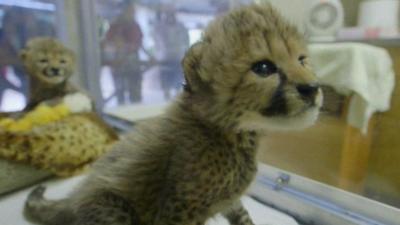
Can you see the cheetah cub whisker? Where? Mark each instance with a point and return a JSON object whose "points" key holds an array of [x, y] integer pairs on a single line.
{"points": [[249, 73]]}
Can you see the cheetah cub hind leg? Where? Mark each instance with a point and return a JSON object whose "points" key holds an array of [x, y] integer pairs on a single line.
{"points": [[106, 209], [103, 209]]}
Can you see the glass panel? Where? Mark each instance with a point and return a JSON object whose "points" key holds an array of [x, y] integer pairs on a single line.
{"points": [[337, 154], [20, 21], [142, 44], [333, 151]]}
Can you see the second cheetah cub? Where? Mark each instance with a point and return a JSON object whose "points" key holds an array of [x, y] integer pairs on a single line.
{"points": [[249, 73]]}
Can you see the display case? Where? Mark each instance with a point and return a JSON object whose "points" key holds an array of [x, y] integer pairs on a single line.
{"points": [[129, 55]]}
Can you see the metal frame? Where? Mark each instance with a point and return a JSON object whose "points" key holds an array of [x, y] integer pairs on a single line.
{"points": [[90, 49], [312, 202], [61, 16], [74, 30]]}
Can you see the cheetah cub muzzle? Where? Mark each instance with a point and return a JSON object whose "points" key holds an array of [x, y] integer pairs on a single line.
{"points": [[248, 74]]}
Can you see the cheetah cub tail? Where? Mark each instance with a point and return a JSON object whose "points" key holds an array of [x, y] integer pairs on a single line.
{"points": [[41, 210]]}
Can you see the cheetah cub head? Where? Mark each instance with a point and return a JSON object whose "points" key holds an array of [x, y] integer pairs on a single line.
{"points": [[250, 71], [48, 61]]}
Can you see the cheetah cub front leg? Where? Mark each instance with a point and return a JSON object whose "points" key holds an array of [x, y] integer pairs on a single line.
{"points": [[238, 215]]}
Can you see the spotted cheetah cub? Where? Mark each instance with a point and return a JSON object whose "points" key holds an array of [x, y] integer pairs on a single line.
{"points": [[49, 65], [248, 74]]}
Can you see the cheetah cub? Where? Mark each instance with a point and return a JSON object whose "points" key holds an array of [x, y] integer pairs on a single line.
{"points": [[248, 74], [49, 65]]}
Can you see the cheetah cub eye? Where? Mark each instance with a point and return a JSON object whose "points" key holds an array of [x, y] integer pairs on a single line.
{"points": [[43, 61], [264, 68]]}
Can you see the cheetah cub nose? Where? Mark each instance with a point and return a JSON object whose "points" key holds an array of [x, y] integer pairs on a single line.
{"points": [[308, 91], [55, 71]]}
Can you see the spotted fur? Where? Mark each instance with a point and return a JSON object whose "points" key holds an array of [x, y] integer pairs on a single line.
{"points": [[199, 158], [64, 148]]}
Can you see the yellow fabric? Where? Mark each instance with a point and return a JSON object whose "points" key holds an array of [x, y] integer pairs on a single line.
{"points": [[41, 115]]}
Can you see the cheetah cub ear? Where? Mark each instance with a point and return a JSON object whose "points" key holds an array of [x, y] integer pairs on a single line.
{"points": [[191, 63]]}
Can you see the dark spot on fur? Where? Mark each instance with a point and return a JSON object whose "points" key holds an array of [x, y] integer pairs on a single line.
{"points": [[46, 148], [51, 138], [282, 76], [252, 142], [212, 173], [232, 125], [184, 205], [239, 137], [190, 215], [27, 145], [122, 219], [278, 105], [176, 218]]}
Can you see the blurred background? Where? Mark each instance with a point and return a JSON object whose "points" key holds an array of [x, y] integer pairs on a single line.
{"points": [[129, 53]]}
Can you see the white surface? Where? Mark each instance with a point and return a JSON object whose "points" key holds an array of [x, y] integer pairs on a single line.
{"points": [[137, 112], [359, 70], [297, 12], [11, 206], [379, 13]]}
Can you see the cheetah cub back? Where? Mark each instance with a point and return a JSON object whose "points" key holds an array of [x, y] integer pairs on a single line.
{"points": [[248, 74]]}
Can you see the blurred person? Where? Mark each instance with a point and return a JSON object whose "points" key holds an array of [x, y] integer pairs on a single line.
{"points": [[172, 40], [121, 52], [221, 6]]}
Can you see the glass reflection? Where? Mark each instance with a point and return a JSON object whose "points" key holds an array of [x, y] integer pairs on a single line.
{"points": [[19, 23], [143, 43]]}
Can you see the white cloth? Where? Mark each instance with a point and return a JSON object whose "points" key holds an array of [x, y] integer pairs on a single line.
{"points": [[78, 102], [363, 71]]}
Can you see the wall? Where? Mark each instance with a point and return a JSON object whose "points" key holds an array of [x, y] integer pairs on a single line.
{"points": [[295, 10]]}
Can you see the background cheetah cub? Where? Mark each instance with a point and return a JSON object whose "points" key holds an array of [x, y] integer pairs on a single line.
{"points": [[249, 73], [49, 65]]}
